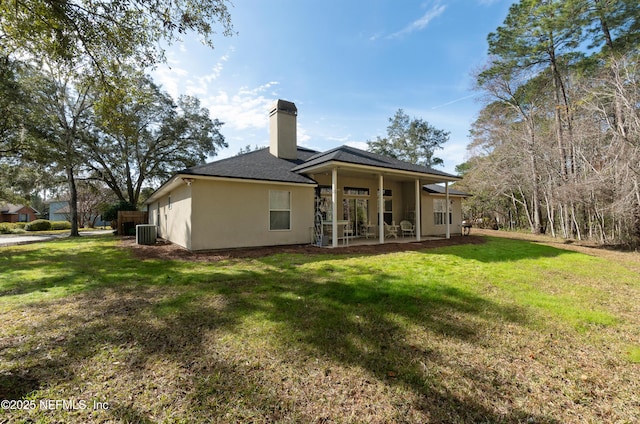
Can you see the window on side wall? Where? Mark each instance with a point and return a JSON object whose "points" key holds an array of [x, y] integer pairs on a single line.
{"points": [[440, 211], [279, 210]]}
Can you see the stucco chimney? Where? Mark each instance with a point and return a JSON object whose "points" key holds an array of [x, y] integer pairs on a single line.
{"points": [[283, 141]]}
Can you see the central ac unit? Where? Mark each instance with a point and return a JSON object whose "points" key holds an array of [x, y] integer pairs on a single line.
{"points": [[146, 234]]}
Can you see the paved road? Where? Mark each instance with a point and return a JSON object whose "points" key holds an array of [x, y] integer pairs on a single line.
{"points": [[14, 239]]}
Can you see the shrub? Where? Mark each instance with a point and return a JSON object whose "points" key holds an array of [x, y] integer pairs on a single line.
{"points": [[60, 225], [12, 227], [38, 225], [6, 228]]}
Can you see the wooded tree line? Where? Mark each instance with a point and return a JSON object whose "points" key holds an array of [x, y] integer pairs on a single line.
{"points": [[556, 147], [76, 103]]}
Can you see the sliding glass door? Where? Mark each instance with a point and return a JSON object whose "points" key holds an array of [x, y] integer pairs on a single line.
{"points": [[358, 214]]}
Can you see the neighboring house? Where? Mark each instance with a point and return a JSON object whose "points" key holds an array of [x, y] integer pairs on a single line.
{"points": [[286, 194], [59, 210], [17, 213]]}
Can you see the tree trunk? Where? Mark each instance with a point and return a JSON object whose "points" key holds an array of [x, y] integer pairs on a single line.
{"points": [[73, 201]]}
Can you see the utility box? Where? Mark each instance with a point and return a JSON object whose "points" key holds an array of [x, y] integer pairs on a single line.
{"points": [[146, 234]]}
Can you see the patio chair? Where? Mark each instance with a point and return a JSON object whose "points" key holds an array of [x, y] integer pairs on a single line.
{"points": [[407, 228], [390, 230], [369, 230]]}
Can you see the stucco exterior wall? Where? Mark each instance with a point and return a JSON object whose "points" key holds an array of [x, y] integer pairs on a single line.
{"points": [[428, 223], [219, 214], [172, 215], [227, 214]]}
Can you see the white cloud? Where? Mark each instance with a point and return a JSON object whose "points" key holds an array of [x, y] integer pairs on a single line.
{"points": [[199, 86], [454, 101], [422, 22], [170, 79], [303, 137], [245, 109], [362, 145], [343, 139]]}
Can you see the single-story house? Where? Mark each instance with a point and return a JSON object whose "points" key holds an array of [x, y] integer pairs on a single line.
{"points": [[286, 194], [17, 213], [60, 210]]}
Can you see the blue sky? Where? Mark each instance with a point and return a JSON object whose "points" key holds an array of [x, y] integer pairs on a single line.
{"points": [[348, 66]]}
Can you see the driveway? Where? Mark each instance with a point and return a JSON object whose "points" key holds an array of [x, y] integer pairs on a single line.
{"points": [[15, 239]]}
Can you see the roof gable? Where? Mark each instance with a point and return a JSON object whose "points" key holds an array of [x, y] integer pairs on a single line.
{"points": [[348, 154], [11, 209]]}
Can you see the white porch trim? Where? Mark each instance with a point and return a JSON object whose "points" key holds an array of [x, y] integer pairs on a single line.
{"points": [[446, 191], [418, 216], [381, 208], [334, 207]]}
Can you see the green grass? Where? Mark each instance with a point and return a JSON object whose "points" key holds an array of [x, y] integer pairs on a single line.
{"points": [[634, 354], [505, 331]]}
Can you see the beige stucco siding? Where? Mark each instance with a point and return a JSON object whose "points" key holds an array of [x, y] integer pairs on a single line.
{"points": [[172, 215], [229, 214], [428, 225]]}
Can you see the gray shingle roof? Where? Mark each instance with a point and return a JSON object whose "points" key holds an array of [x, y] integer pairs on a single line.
{"points": [[256, 165], [11, 209], [262, 165], [352, 155], [438, 189]]}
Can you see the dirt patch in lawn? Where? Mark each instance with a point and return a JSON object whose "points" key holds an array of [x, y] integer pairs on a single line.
{"points": [[169, 251]]}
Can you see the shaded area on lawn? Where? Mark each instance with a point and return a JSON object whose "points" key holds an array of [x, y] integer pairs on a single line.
{"points": [[301, 309], [265, 339]]}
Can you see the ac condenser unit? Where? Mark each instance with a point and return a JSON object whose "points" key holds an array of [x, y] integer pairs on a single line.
{"points": [[146, 234]]}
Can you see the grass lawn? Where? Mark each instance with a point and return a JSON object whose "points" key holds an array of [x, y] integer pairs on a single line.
{"points": [[505, 331]]}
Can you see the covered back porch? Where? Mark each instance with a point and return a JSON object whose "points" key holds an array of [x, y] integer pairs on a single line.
{"points": [[365, 204]]}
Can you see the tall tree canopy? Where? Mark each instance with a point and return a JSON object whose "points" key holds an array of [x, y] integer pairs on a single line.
{"points": [[557, 144], [107, 33], [142, 135], [412, 140], [87, 50], [25, 127]]}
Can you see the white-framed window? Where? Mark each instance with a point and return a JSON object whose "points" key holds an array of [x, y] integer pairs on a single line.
{"points": [[440, 211], [388, 211], [169, 203], [279, 210]]}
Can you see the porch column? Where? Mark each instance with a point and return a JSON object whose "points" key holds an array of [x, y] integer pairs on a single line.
{"points": [[418, 213], [446, 191], [334, 207], [381, 208]]}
